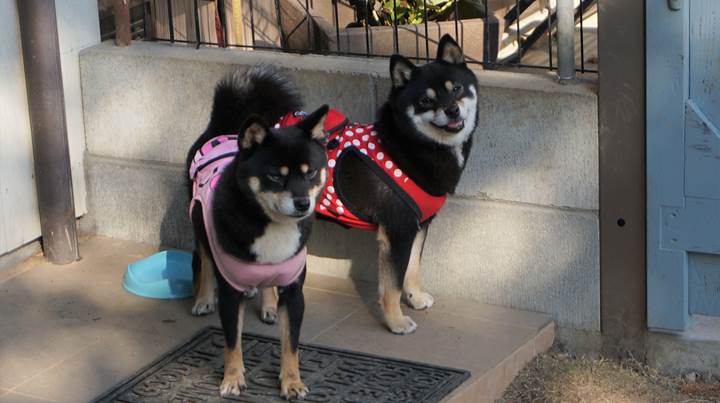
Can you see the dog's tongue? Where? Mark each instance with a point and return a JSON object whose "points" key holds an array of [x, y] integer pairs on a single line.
{"points": [[454, 124]]}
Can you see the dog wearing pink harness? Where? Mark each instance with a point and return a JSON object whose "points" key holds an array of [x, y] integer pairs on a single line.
{"points": [[205, 170], [253, 190]]}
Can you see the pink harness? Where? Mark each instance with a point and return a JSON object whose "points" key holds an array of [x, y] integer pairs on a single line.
{"points": [[207, 165]]}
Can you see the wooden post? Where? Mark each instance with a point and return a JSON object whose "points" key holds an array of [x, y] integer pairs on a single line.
{"points": [[121, 10], [621, 102], [43, 77]]}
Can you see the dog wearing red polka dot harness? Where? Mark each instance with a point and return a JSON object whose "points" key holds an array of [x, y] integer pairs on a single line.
{"points": [[393, 176]]}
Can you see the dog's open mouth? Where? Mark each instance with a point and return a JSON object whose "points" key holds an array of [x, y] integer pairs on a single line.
{"points": [[452, 126]]}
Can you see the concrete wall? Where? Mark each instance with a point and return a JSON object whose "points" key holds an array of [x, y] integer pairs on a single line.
{"points": [[77, 28], [522, 230]]}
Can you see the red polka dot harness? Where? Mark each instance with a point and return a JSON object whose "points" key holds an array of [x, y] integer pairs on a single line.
{"points": [[361, 138]]}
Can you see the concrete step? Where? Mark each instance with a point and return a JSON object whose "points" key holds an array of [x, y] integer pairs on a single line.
{"points": [[71, 332]]}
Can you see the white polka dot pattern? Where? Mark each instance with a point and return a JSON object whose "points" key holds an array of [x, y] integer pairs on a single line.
{"points": [[364, 140]]}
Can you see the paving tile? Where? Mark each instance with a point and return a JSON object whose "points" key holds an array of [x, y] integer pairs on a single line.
{"points": [[33, 344], [450, 305], [544, 339], [70, 332], [25, 265], [322, 310], [474, 309], [356, 288], [114, 357], [450, 340], [12, 397]]}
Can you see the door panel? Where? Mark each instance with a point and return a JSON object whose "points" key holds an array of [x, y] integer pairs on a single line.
{"points": [[702, 153], [704, 56], [683, 161], [704, 284]]}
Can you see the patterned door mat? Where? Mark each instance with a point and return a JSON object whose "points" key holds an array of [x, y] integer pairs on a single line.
{"points": [[193, 371]]}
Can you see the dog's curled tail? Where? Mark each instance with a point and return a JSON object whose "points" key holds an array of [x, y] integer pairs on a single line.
{"points": [[261, 90]]}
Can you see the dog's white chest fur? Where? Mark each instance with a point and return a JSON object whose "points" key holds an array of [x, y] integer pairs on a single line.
{"points": [[278, 243]]}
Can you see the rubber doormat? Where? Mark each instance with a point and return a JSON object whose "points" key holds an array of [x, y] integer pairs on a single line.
{"points": [[193, 371]]}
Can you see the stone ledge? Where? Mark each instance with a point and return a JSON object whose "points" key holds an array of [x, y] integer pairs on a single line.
{"points": [[536, 141], [529, 257]]}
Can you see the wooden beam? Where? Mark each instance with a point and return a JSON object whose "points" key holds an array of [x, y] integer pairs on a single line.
{"points": [[621, 103], [121, 10]]}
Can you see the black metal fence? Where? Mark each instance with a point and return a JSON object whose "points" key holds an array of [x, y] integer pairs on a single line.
{"points": [[508, 40]]}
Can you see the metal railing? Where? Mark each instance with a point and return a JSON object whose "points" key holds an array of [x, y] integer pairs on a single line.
{"points": [[511, 37]]}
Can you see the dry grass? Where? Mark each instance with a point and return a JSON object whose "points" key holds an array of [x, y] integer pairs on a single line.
{"points": [[558, 377]]}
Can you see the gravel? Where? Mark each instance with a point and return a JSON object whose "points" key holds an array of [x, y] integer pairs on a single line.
{"points": [[559, 377]]}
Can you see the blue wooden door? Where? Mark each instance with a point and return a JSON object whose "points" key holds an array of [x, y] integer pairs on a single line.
{"points": [[683, 161]]}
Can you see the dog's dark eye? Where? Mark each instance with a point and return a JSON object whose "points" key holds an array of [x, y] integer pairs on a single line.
{"points": [[457, 89], [274, 178], [425, 101], [311, 174]]}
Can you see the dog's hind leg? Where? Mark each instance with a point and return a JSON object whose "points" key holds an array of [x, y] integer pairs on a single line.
{"points": [[291, 306], [232, 307], [203, 281], [415, 297], [268, 313], [392, 264]]}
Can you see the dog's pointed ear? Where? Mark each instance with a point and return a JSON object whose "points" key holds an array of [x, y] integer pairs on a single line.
{"points": [[313, 124], [252, 132], [401, 70], [449, 51]]}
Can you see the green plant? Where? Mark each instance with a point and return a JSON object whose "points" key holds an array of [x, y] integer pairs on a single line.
{"points": [[389, 12], [413, 11]]}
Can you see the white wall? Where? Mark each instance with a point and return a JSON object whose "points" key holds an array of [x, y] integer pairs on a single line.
{"points": [[19, 222], [78, 28]]}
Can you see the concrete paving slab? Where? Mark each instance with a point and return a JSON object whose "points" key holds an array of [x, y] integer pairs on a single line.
{"points": [[70, 332], [113, 357], [450, 340], [12, 397]]}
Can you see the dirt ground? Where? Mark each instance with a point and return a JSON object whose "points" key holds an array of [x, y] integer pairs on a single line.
{"points": [[558, 377]]}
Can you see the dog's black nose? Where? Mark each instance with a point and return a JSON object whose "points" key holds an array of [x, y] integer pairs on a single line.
{"points": [[302, 204], [453, 112]]}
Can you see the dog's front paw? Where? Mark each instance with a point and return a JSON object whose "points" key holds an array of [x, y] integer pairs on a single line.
{"points": [[232, 385], [419, 300], [269, 315], [204, 305], [405, 325], [293, 389]]}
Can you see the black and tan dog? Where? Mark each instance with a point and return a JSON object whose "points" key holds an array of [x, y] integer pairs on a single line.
{"points": [[425, 129], [394, 175], [254, 192]]}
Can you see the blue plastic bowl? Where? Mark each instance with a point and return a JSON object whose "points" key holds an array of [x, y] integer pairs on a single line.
{"points": [[164, 275]]}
